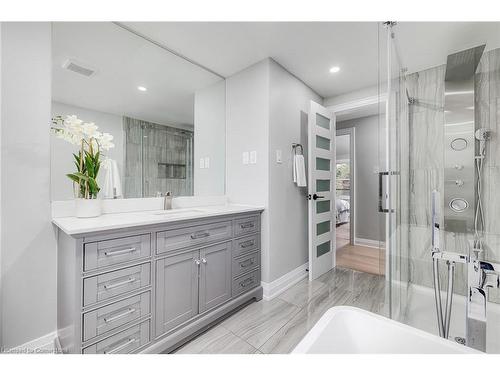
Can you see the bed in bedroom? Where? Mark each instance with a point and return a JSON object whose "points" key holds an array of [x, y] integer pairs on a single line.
{"points": [[343, 207]]}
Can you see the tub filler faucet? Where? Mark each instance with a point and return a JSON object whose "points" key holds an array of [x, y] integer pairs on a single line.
{"points": [[482, 276]]}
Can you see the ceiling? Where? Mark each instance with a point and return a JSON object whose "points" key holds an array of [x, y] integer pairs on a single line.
{"points": [[309, 49], [124, 61]]}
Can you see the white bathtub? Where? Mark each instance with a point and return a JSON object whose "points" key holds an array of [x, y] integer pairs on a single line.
{"points": [[344, 330]]}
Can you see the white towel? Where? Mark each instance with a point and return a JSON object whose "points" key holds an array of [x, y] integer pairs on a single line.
{"points": [[299, 171], [112, 187]]}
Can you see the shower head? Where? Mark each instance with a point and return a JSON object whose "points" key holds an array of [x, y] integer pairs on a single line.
{"points": [[482, 135]]}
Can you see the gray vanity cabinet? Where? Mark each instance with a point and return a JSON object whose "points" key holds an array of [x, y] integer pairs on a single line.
{"points": [[150, 288], [190, 283], [215, 275], [176, 290]]}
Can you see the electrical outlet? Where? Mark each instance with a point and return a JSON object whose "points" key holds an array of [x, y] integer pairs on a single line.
{"points": [[207, 162], [245, 157], [253, 157], [202, 163]]}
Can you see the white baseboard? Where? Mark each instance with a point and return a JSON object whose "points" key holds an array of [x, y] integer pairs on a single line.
{"points": [[44, 344], [274, 288], [368, 243]]}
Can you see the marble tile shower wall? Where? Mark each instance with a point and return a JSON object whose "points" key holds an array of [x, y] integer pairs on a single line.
{"points": [[426, 133]]}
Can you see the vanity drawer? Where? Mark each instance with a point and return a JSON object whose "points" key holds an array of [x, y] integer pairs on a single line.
{"points": [[246, 225], [245, 263], [246, 244], [123, 342], [109, 317], [101, 287], [110, 252], [246, 282], [191, 236]]}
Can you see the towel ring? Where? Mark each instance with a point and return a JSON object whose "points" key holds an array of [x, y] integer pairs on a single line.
{"points": [[295, 146]]}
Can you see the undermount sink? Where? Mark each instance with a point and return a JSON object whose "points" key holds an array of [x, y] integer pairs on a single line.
{"points": [[349, 330], [178, 211]]}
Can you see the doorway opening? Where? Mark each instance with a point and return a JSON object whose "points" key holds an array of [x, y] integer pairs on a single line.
{"points": [[360, 227]]}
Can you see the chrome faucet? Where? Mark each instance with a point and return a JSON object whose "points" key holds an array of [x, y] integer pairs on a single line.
{"points": [[482, 276], [167, 201]]}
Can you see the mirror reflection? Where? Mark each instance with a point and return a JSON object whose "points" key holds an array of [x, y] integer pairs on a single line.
{"points": [[161, 110]]}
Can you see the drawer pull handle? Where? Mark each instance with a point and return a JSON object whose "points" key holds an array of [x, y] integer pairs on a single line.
{"points": [[120, 347], [247, 225], [246, 263], [246, 282], [119, 252], [247, 244], [121, 283], [196, 236], [119, 316]]}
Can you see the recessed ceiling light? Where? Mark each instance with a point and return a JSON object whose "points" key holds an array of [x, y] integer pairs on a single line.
{"points": [[142, 88], [334, 69]]}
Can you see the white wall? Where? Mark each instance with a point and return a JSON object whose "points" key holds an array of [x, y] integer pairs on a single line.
{"points": [[28, 245], [210, 139], [369, 159], [61, 160], [266, 110], [247, 129], [288, 207], [352, 96]]}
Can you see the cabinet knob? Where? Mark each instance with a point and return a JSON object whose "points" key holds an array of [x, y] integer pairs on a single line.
{"points": [[197, 262], [203, 260]]}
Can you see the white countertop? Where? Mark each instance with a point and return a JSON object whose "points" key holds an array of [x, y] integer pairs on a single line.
{"points": [[75, 226]]}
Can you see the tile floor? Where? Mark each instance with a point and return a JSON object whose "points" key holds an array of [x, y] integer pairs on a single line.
{"points": [[278, 325]]}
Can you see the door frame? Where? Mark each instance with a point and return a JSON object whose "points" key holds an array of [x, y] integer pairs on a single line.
{"points": [[351, 132], [352, 107]]}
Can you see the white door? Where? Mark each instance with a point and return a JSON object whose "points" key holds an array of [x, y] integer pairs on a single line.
{"points": [[321, 186]]}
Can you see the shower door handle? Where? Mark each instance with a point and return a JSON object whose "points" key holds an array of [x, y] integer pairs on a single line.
{"points": [[381, 194]]}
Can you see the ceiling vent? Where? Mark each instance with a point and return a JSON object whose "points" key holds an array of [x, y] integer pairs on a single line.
{"points": [[78, 68]]}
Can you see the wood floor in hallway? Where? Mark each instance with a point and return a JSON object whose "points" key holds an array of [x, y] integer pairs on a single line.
{"points": [[356, 257], [362, 258]]}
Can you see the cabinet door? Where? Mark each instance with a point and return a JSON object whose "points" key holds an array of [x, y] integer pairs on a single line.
{"points": [[215, 275], [176, 290]]}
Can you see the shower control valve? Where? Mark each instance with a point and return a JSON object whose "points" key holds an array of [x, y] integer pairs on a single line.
{"points": [[459, 167], [459, 183]]}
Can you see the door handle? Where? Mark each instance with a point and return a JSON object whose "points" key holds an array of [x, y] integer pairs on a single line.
{"points": [[380, 192], [316, 196]]}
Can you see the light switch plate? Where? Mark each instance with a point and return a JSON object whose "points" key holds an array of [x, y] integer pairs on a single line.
{"points": [[202, 163], [253, 157], [279, 157], [207, 162], [245, 157]]}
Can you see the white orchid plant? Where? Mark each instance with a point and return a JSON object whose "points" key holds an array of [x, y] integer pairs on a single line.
{"points": [[90, 141]]}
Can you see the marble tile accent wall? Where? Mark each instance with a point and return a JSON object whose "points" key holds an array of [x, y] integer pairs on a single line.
{"points": [[426, 119]]}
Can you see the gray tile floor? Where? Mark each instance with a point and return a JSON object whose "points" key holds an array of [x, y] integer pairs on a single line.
{"points": [[278, 325]]}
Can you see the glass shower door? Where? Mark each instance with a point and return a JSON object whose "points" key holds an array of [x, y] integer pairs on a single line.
{"points": [[393, 173]]}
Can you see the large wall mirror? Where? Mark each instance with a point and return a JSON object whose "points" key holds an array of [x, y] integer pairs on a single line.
{"points": [[166, 114]]}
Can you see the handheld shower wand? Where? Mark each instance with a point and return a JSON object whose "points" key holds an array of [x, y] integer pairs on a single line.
{"points": [[435, 264], [482, 135]]}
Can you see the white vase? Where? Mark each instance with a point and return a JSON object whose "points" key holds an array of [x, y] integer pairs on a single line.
{"points": [[87, 207]]}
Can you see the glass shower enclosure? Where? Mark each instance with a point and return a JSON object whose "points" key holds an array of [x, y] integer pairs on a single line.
{"points": [[426, 150]]}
